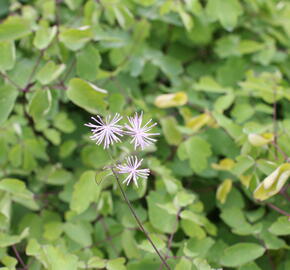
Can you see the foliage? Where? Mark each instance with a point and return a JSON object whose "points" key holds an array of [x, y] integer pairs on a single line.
{"points": [[214, 74]]}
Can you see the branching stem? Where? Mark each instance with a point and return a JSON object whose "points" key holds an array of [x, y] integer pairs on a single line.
{"points": [[137, 218]]}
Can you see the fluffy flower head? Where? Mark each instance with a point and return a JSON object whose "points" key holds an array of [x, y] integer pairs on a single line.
{"points": [[106, 130], [140, 134], [131, 168]]}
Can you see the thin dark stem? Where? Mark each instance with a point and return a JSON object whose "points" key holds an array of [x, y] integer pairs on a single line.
{"points": [[18, 257], [170, 240], [138, 220], [277, 148], [277, 209], [9, 80]]}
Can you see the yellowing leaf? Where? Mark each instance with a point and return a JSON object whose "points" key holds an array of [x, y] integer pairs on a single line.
{"points": [[246, 180], [223, 190], [273, 183], [260, 139], [225, 164], [171, 100], [198, 122]]}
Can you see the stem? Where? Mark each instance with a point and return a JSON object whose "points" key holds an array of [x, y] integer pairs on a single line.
{"points": [[9, 80], [138, 220], [170, 240], [18, 257], [274, 207]]}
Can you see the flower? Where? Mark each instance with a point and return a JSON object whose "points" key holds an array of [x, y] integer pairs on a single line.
{"points": [[131, 168], [140, 134], [106, 131]]}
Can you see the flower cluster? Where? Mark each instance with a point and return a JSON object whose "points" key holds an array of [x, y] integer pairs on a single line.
{"points": [[107, 131]]}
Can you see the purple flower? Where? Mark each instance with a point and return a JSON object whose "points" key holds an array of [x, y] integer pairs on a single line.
{"points": [[131, 168], [106, 130], [141, 135]]}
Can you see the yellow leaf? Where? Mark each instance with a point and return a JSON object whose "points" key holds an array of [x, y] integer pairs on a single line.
{"points": [[171, 100], [246, 180], [223, 190], [198, 122], [260, 139], [273, 183], [225, 164]]}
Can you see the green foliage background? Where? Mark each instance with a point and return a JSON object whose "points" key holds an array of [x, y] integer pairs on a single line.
{"points": [[224, 128]]}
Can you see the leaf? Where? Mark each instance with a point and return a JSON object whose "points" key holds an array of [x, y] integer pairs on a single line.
{"points": [[87, 95], [223, 190], [227, 12], [197, 122], [159, 218], [225, 164], [183, 264], [241, 253], [88, 62], [273, 183], [85, 191], [7, 55], [260, 139], [170, 131], [14, 28], [209, 84], [75, 39], [197, 150], [44, 35], [9, 240], [49, 72], [116, 264], [8, 96], [185, 17], [198, 248], [281, 226], [78, 232], [157, 240], [130, 245], [19, 192], [171, 100], [40, 104]]}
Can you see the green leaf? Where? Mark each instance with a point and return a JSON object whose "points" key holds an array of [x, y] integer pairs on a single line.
{"points": [[170, 131], [116, 264], [49, 72], [44, 35], [19, 192], [197, 150], [88, 62], [7, 55], [9, 240], [183, 264], [159, 218], [198, 247], [158, 242], [241, 253], [14, 28], [281, 226], [130, 245], [79, 232], [87, 95], [85, 192], [75, 39], [40, 104], [8, 96], [227, 12]]}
